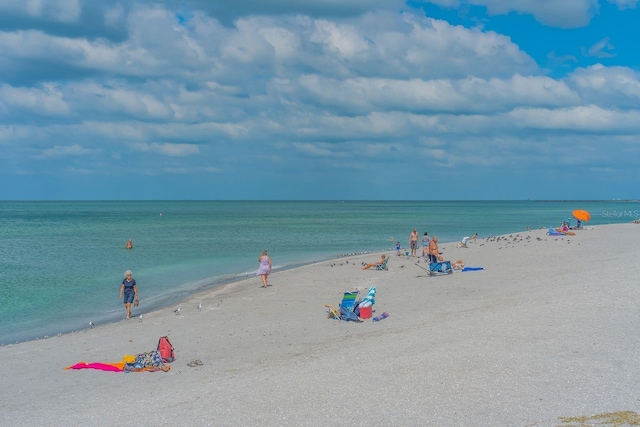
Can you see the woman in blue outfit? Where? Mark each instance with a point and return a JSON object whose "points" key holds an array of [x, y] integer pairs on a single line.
{"points": [[128, 292], [265, 267]]}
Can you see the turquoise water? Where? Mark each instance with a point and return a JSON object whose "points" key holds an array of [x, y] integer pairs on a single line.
{"points": [[61, 263]]}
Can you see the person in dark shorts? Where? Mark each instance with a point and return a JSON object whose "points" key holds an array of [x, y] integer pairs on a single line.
{"points": [[128, 292], [434, 255]]}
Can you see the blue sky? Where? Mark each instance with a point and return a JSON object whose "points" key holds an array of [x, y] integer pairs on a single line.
{"points": [[289, 99]]}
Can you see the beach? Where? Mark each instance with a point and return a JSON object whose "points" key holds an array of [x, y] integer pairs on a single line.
{"points": [[545, 333]]}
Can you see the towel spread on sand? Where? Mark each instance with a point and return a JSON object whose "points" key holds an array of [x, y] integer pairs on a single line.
{"points": [[111, 367], [129, 363], [473, 268]]}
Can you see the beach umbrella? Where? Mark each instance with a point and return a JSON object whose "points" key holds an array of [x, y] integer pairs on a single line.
{"points": [[581, 215]]}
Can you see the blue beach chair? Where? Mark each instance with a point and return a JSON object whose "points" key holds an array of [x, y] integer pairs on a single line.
{"points": [[440, 268], [345, 310]]}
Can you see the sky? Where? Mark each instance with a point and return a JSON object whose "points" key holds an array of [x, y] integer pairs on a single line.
{"points": [[322, 100]]}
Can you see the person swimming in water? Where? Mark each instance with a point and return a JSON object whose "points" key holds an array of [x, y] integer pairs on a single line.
{"points": [[129, 244]]}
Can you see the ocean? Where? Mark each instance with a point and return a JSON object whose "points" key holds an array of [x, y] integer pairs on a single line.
{"points": [[62, 263]]}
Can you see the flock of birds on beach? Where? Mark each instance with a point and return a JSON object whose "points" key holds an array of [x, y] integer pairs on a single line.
{"points": [[505, 241], [176, 312]]}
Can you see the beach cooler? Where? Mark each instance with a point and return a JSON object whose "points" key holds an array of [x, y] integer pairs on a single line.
{"points": [[366, 312]]}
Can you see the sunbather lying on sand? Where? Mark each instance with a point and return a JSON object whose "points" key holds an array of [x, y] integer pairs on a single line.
{"points": [[458, 265]]}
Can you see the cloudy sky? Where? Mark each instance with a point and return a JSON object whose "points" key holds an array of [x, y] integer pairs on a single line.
{"points": [[330, 99]]}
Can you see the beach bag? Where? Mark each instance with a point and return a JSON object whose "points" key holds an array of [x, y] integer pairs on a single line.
{"points": [[356, 307], [346, 314], [166, 350], [151, 359]]}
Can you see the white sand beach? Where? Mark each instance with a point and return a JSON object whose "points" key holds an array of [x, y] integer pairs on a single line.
{"points": [[547, 332]]}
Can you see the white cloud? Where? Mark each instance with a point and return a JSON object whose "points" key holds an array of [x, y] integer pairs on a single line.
{"points": [[438, 95], [114, 16], [582, 119], [618, 86], [559, 60], [209, 169], [177, 171], [316, 149], [166, 149], [624, 4], [556, 13], [79, 171], [64, 151], [229, 11], [51, 10], [191, 170], [600, 49], [72, 52], [120, 99], [46, 100], [390, 88]]}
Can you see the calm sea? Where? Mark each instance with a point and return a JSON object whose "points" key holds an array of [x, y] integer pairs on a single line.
{"points": [[61, 263]]}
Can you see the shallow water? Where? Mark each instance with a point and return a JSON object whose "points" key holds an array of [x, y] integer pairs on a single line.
{"points": [[61, 263]]}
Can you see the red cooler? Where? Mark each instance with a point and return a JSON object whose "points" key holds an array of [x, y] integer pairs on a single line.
{"points": [[365, 312]]}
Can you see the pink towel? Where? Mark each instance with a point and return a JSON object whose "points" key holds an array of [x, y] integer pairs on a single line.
{"points": [[96, 365]]}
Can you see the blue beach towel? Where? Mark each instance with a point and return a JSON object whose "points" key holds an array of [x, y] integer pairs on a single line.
{"points": [[472, 269]]}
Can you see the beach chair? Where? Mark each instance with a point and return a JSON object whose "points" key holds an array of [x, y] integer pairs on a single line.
{"points": [[382, 266], [463, 243], [345, 311], [440, 268], [333, 312]]}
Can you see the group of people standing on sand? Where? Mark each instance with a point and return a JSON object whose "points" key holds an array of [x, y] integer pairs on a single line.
{"points": [[429, 246], [430, 249]]}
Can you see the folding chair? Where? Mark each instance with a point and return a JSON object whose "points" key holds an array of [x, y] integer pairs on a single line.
{"points": [[345, 310], [383, 266], [463, 243]]}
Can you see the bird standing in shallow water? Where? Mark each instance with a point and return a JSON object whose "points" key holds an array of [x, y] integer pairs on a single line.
{"points": [[90, 324]]}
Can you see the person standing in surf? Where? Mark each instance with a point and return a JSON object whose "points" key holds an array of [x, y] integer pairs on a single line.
{"points": [[128, 292]]}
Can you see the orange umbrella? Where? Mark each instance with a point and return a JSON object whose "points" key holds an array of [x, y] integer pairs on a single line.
{"points": [[581, 215]]}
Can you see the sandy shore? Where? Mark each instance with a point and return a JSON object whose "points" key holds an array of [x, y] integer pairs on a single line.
{"points": [[549, 330]]}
